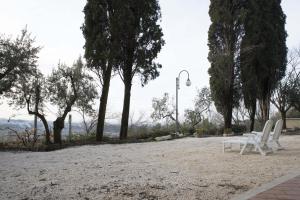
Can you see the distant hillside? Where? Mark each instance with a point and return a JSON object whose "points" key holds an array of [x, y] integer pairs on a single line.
{"points": [[110, 130]]}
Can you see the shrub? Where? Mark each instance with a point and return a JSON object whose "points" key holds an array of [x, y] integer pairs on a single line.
{"points": [[26, 137], [207, 128], [146, 132], [239, 129]]}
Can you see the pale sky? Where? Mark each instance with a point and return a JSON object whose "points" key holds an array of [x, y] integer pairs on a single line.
{"points": [[56, 26]]}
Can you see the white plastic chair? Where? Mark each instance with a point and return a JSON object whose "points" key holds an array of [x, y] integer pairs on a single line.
{"points": [[273, 141], [257, 141]]}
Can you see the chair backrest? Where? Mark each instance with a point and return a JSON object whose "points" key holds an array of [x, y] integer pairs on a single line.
{"points": [[277, 129], [266, 132]]}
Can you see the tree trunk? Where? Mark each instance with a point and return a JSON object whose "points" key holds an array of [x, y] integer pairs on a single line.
{"points": [[265, 108], [229, 95], [103, 103], [252, 115], [227, 120], [228, 112], [125, 113], [283, 116], [229, 106], [45, 123], [58, 125]]}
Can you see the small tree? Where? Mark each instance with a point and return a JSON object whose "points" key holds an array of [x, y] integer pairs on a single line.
{"points": [[294, 95], [202, 105], [85, 108], [66, 86], [89, 119], [282, 97], [295, 98], [30, 92], [27, 137], [17, 58], [163, 108], [192, 118]]}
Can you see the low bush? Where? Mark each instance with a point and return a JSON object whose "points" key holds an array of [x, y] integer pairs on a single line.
{"points": [[207, 128], [239, 129]]}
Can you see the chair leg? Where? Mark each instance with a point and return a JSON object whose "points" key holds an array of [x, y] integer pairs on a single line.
{"points": [[243, 149], [279, 147], [261, 151]]}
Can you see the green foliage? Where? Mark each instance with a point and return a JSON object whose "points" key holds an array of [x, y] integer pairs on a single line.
{"points": [[123, 35], [138, 46], [100, 49], [206, 128], [263, 52], [161, 130], [223, 41], [31, 93], [17, 59], [139, 132], [192, 117], [24, 95], [87, 93], [239, 129], [80, 137], [141, 42], [67, 85], [98, 33], [147, 132]]}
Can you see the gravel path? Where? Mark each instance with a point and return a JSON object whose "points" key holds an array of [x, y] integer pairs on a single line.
{"points": [[189, 168]]}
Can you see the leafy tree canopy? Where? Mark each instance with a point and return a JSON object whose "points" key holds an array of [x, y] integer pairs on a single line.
{"points": [[141, 42], [17, 58]]}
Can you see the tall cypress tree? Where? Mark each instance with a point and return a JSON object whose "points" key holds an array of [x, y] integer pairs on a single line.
{"points": [[223, 41], [99, 49], [247, 66], [140, 40], [263, 53]]}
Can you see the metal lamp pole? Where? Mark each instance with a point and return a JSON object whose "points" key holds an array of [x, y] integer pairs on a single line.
{"points": [[188, 83]]}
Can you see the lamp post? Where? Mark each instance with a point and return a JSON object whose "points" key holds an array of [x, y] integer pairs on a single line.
{"points": [[188, 83]]}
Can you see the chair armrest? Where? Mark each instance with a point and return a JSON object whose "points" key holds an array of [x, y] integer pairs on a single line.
{"points": [[256, 132], [254, 135], [248, 134], [259, 134], [251, 136]]}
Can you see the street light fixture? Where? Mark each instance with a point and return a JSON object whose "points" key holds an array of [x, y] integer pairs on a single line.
{"points": [[188, 83]]}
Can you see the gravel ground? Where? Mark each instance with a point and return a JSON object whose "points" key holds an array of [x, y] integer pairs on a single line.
{"points": [[189, 168]]}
